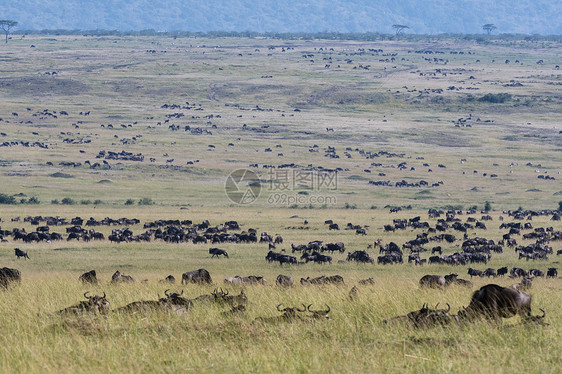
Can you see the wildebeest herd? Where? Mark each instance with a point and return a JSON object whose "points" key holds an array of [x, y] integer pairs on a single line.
{"points": [[489, 302]]}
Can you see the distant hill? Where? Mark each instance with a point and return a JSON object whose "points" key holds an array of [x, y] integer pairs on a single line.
{"points": [[422, 16]]}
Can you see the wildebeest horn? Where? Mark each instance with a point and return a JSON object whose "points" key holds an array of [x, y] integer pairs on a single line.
{"points": [[86, 293], [543, 313], [181, 293], [329, 309], [448, 308], [104, 294], [436, 306], [302, 310], [281, 310], [166, 292]]}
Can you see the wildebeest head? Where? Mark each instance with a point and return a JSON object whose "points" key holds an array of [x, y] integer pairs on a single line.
{"points": [[319, 314], [93, 303], [176, 299], [290, 313], [89, 277]]}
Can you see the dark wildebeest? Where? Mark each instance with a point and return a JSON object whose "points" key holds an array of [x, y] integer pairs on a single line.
{"points": [[474, 273], [92, 304], [289, 315], [284, 280], [489, 272], [89, 277], [169, 279], [20, 253], [552, 273], [217, 252], [494, 302], [173, 301], [196, 276], [117, 277], [433, 281], [8, 276], [525, 284], [425, 317], [502, 271]]}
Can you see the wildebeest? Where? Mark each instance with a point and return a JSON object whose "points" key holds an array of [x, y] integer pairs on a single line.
{"points": [[332, 279], [169, 279], [92, 304], [217, 252], [473, 272], [196, 276], [8, 276], [433, 281], [89, 277], [284, 280], [252, 279], [172, 301], [289, 315], [20, 253], [319, 314], [365, 282], [489, 272], [502, 271], [536, 273], [494, 302], [425, 317], [552, 273], [117, 277]]}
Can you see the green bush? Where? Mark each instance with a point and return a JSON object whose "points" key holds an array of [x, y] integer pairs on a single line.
{"points": [[33, 200], [68, 201], [129, 202], [98, 202], [146, 201], [487, 206], [55, 202], [7, 199], [85, 202]]}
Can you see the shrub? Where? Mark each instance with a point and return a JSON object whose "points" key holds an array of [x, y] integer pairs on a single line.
{"points": [[68, 201], [129, 202], [7, 199], [560, 206], [54, 202], [85, 202], [33, 200], [487, 206], [98, 202], [146, 201]]}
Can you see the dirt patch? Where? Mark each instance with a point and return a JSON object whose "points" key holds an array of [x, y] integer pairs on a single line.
{"points": [[32, 86]]}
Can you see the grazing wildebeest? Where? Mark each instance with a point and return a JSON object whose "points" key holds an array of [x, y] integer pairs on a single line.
{"points": [[525, 284], [20, 253], [433, 281], [518, 272], [196, 276], [502, 271], [89, 277], [474, 273], [552, 273], [425, 317], [92, 304], [117, 277], [173, 301], [494, 302], [489, 272], [536, 273], [8, 276], [217, 252], [284, 280]]}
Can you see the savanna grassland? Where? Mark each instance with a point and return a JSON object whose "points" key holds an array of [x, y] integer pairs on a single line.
{"points": [[478, 122]]}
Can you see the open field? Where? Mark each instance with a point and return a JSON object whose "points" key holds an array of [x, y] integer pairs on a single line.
{"points": [[316, 121]]}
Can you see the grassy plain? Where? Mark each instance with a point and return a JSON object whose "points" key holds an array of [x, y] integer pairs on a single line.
{"points": [[398, 100]]}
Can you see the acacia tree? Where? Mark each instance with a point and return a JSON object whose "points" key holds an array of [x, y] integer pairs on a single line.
{"points": [[400, 28], [6, 25], [489, 27]]}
